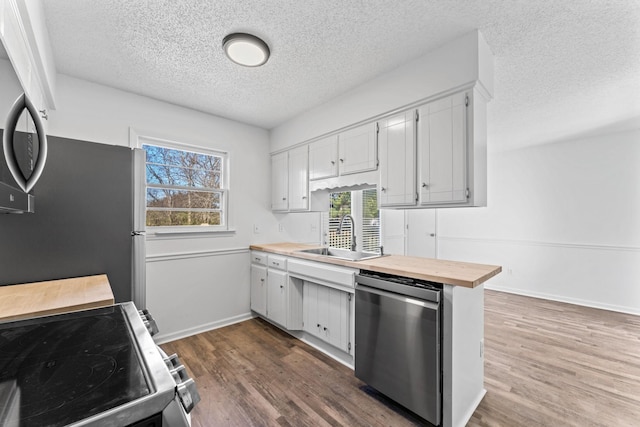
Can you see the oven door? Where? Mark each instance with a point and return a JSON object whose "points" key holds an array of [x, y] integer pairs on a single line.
{"points": [[398, 349]]}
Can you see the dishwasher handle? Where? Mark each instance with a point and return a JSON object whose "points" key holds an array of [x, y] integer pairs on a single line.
{"points": [[402, 298], [426, 294]]}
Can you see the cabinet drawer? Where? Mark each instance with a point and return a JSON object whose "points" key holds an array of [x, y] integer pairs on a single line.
{"points": [[277, 261], [258, 258]]}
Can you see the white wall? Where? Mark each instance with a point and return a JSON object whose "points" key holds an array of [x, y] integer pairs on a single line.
{"points": [[563, 220], [460, 62], [195, 283]]}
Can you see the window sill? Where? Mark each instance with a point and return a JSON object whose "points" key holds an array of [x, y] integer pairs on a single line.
{"points": [[187, 232]]}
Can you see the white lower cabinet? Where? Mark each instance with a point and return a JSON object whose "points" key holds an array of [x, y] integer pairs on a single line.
{"points": [[277, 296], [274, 295], [259, 289], [304, 295], [327, 313]]}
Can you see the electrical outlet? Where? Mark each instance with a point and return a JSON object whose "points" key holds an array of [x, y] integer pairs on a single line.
{"points": [[280, 227], [256, 229]]}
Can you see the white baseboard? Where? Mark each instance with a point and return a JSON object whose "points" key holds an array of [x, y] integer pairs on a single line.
{"points": [[561, 298], [164, 338]]}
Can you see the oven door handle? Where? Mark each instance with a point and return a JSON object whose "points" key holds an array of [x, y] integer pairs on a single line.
{"points": [[398, 297]]}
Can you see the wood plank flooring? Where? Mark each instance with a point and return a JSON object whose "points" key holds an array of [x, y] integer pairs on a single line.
{"points": [[555, 364], [546, 364]]}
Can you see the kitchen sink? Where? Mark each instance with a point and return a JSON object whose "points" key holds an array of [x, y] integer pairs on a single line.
{"points": [[342, 253]]}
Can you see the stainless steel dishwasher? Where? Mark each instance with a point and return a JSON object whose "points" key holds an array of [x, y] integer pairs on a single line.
{"points": [[397, 338]]}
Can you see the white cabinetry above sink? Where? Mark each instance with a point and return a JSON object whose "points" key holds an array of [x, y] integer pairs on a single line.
{"points": [[348, 152]]}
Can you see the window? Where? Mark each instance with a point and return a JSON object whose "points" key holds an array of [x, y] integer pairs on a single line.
{"points": [[363, 206], [184, 187]]}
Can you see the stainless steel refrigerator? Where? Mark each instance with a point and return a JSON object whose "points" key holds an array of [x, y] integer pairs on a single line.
{"points": [[84, 221]]}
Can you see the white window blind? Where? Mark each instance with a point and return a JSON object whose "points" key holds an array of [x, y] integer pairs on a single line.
{"points": [[370, 221]]}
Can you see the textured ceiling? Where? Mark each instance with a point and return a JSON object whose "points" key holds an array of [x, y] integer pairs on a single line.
{"points": [[561, 67]]}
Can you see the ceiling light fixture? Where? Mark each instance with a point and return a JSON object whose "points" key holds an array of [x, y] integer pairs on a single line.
{"points": [[246, 49]]}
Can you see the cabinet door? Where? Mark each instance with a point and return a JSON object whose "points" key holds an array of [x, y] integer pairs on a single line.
{"points": [[277, 296], [279, 181], [323, 158], [393, 231], [327, 314], [299, 178], [443, 151], [259, 289], [398, 160], [358, 149], [421, 232], [310, 304], [336, 326]]}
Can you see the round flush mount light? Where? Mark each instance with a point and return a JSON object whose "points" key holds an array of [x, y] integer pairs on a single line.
{"points": [[246, 49]]}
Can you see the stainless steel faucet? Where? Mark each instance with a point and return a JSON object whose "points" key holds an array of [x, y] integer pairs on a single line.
{"points": [[353, 230]]}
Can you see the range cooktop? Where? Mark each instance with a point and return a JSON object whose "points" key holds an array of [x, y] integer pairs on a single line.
{"points": [[60, 369]]}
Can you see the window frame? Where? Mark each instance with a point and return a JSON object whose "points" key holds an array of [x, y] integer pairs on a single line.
{"points": [[138, 141], [357, 212]]}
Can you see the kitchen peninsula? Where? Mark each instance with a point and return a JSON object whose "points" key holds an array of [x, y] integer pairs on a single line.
{"points": [[281, 275]]}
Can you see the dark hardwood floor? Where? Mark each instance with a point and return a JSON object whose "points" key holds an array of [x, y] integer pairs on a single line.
{"points": [[546, 364]]}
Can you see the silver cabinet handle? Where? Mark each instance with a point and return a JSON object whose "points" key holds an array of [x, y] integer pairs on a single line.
{"points": [[333, 162], [284, 198], [425, 185], [304, 197], [432, 234], [383, 189], [341, 160]]}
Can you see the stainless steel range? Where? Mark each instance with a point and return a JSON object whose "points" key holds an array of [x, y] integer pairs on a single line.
{"points": [[97, 367], [398, 340]]}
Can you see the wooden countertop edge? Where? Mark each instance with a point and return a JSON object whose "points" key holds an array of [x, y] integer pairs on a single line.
{"points": [[54, 297], [377, 264], [58, 310]]}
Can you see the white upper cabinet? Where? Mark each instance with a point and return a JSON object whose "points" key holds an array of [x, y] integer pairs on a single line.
{"points": [[280, 181], [398, 160], [299, 179], [452, 155], [358, 149], [290, 180], [349, 152], [323, 158], [24, 35], [443, 150]]}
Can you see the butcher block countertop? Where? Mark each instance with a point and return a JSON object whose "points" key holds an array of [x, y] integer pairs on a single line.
{"points": [[53, 297], [454, 273]]}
